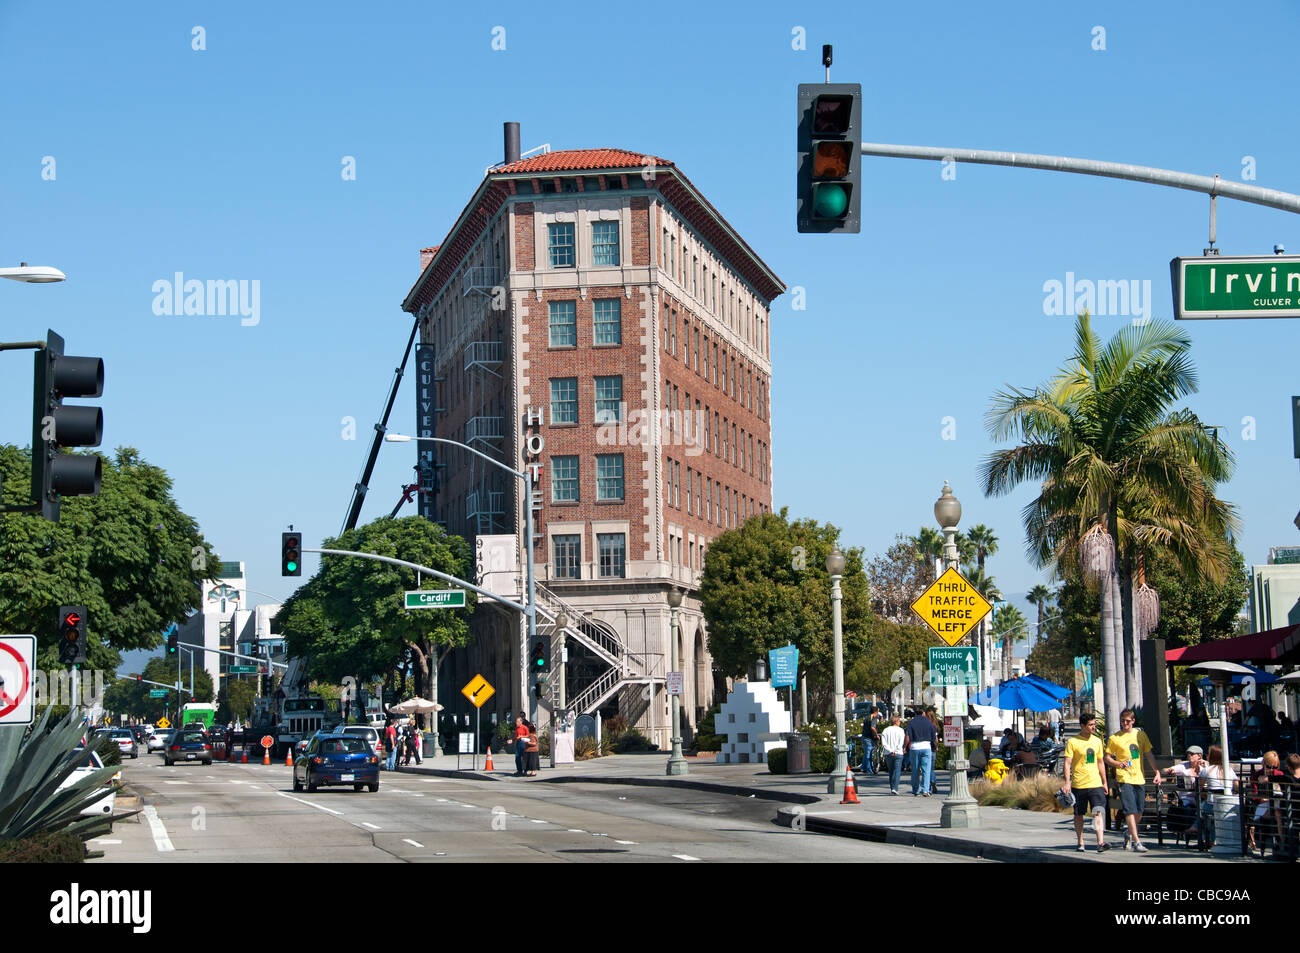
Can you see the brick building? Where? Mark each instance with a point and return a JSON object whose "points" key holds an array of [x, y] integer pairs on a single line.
{"points": [[593, 318]]}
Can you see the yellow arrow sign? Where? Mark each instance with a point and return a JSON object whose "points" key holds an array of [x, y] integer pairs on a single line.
{"points": [[478, 691], [952, 607], [164, 723]]}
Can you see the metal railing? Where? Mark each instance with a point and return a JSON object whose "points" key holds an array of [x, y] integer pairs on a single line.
{"points": [[481, 279], [482, 354], [484, 429]]}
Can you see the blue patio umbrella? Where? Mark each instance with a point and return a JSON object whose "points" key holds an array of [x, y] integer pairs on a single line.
{"points": [[1018, 694], [1257, 675], [1056, 691]]}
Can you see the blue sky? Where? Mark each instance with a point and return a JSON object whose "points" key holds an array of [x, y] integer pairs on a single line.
{"points": [[224, 163]]}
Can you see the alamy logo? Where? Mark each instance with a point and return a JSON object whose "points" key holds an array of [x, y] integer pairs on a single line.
{"points": [[1103, 298], [215, 297], [75, 906]]}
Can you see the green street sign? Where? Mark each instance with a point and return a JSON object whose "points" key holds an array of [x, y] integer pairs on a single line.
{"points": [[243, 670], [436, 599], [1265, 286], [954, 665], [157, 693]]}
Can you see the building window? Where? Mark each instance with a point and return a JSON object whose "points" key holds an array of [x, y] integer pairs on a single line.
{"points": [[673, 349], [568, 556], [609, 476], [604, 243], [608, 321], [612, 555], [696, 361], [564, 323], [564, 479], [706, 358], [690, 480], [559, 236], [564, 400], [609, 399]]}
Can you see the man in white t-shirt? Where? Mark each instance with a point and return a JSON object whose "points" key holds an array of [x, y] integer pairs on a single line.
{"points": [[1055, 720], [893, 739]]}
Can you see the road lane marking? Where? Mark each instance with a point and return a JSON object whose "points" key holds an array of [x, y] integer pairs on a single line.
{"points": [[160, 838], [176, 782], [685, 857], [574, 830], [373, 827], [413, 843], [626, 843], [319, 807], [104, 840]]}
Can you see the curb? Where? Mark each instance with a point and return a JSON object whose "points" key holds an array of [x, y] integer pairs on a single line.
{"points": [[784, 797]]}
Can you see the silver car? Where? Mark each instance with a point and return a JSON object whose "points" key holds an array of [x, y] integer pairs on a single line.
{"points": [[124, 739]]}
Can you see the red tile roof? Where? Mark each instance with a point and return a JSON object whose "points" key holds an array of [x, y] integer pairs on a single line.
{"points": [[573, 160]]}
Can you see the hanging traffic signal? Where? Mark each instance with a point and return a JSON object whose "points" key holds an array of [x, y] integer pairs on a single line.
{"points": [[72, 635], [542, 655], [173, 640], [829, 178], [56, 474], [291, 554]]}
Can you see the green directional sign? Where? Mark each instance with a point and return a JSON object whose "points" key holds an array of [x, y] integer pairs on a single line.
{"points": [[955, 665], [1266, 286], [243, 670], [157, 693], [436, 599]]}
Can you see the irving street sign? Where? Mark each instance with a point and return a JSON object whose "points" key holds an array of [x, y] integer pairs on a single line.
{"points": [[1267, 286]]}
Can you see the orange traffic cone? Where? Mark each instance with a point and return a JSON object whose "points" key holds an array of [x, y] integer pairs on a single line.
{"points": [[488, 766], [850, 791], [245, 760], [266, 756], [288, 758]]}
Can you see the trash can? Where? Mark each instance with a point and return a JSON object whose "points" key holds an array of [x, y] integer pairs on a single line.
{"points": [[798, 753]]}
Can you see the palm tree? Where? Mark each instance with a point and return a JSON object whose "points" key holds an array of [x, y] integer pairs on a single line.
{"points": [[1039, 595], [929, 545], [1119, 472], [987, 587], [1010, 626], [983, 541]]}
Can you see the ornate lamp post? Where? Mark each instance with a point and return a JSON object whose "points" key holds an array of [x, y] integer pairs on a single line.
{"points": [[960, 809], [1227, 822], [676, 762], [835, 566]]}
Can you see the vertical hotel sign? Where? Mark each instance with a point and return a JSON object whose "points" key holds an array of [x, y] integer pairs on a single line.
{"points": [[426, 407]]}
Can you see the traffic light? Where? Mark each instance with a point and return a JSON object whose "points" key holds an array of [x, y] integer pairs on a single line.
{"points": [[541, 686], [56, 474], [72, 635], [173, 640], [291, 554], [542, 655], [829, 178]]}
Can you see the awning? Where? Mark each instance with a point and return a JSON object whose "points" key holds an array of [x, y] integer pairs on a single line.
{"points": [[1271, 647]]}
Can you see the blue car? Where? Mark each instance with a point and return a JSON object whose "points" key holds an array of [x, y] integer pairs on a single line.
{"points": [[336, 759]]}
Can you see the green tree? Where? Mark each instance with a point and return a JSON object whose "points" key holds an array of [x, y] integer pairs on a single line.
{"points": [[129, 555], [928, 544], [1009, 627], [1119, 472], [984, 542], [888, 647], [765, 585], [126, 696], [350, 617], [1039, 596], [897, 578], [235, 700]]}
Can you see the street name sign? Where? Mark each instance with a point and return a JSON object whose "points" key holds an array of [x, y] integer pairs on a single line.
{"points": [[951, 607], [954, 665], [158, 693], [436, 599], [243, 670], [1265, 286], [478, 690], [17, 668]]}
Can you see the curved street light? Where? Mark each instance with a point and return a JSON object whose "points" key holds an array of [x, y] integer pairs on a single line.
{"points": [[33, 274]]}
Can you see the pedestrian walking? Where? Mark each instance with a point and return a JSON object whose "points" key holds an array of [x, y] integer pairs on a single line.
{"points": [[894, 739], [1085, 780], [417, 742], [1124, 751], [390, 745], [870, 738], [1055, 721], [532, 751], [921, 738]]}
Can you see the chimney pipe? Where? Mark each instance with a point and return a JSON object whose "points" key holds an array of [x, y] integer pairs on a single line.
{"points": [[512, 142]]}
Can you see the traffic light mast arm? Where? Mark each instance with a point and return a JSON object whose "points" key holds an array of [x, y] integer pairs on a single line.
{"points": [[1210, 185], [145, 681], [260, 660]]}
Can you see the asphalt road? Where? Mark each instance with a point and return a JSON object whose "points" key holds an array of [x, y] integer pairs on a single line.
{"points": [[249, 813]]}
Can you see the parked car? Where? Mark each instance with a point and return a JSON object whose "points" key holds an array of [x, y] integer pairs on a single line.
{"points": [[188, 744], [104, 806], [336, 759]]}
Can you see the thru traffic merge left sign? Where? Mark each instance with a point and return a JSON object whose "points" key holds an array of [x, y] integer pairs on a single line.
{"points": [[952, 607]]}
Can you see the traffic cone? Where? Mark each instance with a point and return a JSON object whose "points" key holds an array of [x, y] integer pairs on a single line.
{"points": [[288, 758], [245, 761], [850, 791], [488, 766], [266, 756]]}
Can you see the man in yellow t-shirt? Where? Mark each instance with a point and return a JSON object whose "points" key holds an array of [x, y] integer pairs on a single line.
{"points": [[1124, 751], [1085, 779]]}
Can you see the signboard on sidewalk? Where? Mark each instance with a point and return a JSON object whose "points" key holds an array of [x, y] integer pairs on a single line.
{"points": [[951, 607], [436, 599], [17, 667], [952, 732], [1222, 286], [784, 666]]}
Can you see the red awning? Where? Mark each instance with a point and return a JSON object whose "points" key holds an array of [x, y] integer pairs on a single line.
{"points": [[1271, 647]]}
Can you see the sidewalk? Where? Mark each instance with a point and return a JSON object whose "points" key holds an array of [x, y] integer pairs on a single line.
{"points": [[801, 801]]}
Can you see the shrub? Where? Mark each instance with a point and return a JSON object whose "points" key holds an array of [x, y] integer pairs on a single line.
{"points": [[705, 739], [611, 728], [60, 847], [108, 751], [544, 743], [632, 741], [776, 761], [584, 749], [1037, 793]]}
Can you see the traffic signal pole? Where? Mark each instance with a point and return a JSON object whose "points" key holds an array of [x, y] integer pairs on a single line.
{"points": [[1212, 186]]}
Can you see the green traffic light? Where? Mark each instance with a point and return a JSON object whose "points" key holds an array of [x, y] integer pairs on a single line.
{"points": [[830, 201], [291, 566]]}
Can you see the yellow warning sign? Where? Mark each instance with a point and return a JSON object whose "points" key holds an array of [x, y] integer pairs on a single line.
{"points": [[952, 607], [478, 691], [164, 723]]}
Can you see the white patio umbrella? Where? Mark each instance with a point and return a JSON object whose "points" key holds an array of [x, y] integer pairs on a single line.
{"points": [[415, 706]]}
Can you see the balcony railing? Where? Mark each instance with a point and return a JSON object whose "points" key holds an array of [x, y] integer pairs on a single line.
{"points": [[484, 429], [481, 279]]}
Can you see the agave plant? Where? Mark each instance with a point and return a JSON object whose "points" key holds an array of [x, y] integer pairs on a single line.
{"points": [[32, 766]]}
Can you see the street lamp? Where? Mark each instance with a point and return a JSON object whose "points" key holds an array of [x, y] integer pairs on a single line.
{"points": [[1227, 822], [960, 809], [676, 762], [33, 274], [530, 606], [835, 566], [557, 652]]}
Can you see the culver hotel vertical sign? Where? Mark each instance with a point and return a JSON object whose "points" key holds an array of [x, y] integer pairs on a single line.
{"points": [[426, 406]]}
